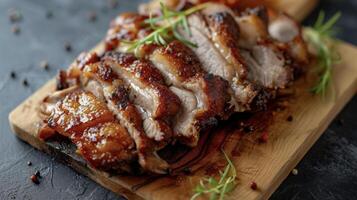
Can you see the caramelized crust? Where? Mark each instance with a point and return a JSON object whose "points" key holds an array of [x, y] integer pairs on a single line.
{"points": [[106, 146], [117, 96], [77, 111], [184, 69], [204, 96], [87, 121], [225, 34], [118, 108], [127, 27], [148, 83], [182, 63]]}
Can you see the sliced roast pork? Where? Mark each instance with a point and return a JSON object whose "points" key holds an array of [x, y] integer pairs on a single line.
{"points": [[216, 34], [266, 62], [110, 88], [87, 121], [147, 85], [204, 96]]}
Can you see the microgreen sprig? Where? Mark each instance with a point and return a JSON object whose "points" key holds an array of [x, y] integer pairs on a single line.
{"points": [[218, 189], [166, 27], [320, 37]]}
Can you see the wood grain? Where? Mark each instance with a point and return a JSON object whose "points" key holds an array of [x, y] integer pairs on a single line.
{"points": [[265, 163]]}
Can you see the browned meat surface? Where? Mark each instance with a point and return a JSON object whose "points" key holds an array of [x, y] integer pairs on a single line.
{"points": [[216, 34], [106, 146], [76, 112], [113, 90], [122, 107], [127, 26], [203, 96], [102, 141], [147, 84]]}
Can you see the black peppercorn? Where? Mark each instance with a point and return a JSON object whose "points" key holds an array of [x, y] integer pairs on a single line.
{"points": [[37, 173], [44, 65], [13, 75], [25, 83]]}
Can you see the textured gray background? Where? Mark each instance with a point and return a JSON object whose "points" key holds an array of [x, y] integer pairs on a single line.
{"points": [[328, 171]]}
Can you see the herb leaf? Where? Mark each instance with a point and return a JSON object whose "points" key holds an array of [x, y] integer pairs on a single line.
{"points": [[217, 189], [319, 36], [166, 27]]}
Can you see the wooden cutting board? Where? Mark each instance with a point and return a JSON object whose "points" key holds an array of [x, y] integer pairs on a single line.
{"points": [[267, 164]]}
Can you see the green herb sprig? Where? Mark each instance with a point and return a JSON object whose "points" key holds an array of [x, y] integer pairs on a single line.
{"points": [[320, 37], [217, 189], [166, 27]]}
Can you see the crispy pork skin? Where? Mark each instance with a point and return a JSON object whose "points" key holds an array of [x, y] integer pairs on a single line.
{"points": [[77, 111], [106, 146], [116, 94], [87, 121]]}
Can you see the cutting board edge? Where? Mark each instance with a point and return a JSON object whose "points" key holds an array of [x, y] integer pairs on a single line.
{"points": [[300, 154]]}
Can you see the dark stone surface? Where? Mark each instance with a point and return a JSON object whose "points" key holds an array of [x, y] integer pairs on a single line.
{"points": [[328, 171]]}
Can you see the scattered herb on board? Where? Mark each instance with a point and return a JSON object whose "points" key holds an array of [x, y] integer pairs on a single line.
{"points": [[319, 36], [166, 28], [217, 189]]}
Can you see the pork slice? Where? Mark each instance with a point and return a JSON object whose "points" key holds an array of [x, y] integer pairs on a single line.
{"points": [[267, 67], [106, 146], [182, 69], [265, 60], [287, 31], [106, 84], [252, 28], [214, 61], [147, 86], [88, 122]]}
